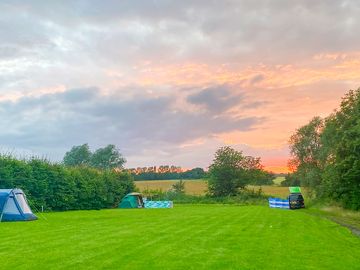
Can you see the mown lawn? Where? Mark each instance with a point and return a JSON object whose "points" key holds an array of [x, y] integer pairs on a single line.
{"points": [[185, 237]]}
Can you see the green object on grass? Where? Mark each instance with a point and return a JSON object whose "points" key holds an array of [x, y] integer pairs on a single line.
{"points": [[132, 200], [295, 189]]}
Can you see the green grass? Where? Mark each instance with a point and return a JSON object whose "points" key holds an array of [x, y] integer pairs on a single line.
{"points": [[348, 218], [186, 237]]}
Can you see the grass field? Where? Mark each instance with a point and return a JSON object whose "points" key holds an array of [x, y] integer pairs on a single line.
{"points": [[277, 181], [185, 237], [199, 187], [192, 187]]}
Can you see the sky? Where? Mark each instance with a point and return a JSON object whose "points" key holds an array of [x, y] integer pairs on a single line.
{"points": [[169, 82]]}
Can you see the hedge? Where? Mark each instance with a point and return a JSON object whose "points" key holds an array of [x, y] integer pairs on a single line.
{"points": [[56, 187]]}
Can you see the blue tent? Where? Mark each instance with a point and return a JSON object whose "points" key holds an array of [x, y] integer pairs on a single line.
{"points": [[14, 206]]}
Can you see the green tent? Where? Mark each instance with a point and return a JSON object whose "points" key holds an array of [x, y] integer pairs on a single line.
{"points": [[132, 200]]}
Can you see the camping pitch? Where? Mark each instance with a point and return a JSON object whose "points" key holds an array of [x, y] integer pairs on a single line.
{"points": [[14, 206]]}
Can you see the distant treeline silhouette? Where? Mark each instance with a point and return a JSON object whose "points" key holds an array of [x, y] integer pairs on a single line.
{"points": [[167, 174]]}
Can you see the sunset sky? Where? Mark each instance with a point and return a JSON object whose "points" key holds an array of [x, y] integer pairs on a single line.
{"points": [[169, 82]]}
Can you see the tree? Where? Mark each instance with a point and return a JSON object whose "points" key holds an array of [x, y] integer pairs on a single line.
{"points": [[108, 157], [291, 179], [306, 149], [77, 156], [341, 148], [179, 187], [227, 173], [326, 153], [261, 177], [196, 173]]}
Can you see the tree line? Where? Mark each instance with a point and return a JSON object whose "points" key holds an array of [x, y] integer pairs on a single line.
{"points": [[59, 187], [160, 169], [196, 173], [326, 154]]}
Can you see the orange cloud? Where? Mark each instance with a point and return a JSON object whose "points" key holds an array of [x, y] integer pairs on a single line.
{"points": [[337, 66]]}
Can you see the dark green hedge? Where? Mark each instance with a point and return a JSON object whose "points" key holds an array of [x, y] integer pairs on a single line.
{"points": [[56, 187]]}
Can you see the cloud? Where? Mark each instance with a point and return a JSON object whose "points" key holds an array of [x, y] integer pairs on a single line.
{"points": [[242, 31], [257, 78], [60, 120], [171, 73], [216, 99]]}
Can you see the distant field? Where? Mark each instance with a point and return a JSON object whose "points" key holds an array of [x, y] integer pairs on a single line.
{"points": [[185, 237], [277, 181], [199, 187], [192, 187], [275, 191]]}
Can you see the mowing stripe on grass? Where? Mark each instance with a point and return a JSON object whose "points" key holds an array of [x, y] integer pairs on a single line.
{"points": [[185, 237]]}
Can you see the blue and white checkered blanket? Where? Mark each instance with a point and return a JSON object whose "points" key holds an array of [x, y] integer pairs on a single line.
{"points": [[158, 204]]}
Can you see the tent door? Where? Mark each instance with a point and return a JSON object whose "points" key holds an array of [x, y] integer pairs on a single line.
{"points": [[11, 207]]}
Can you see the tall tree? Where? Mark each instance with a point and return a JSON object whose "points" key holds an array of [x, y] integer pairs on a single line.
{"points": [[78, 155], [305, 148], [341, 140], [326, 153], [108, 157]]}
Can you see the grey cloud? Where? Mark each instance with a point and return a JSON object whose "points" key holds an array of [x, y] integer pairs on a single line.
{"points": [[78, 95], [57, 121], [216, 99], [45, 44], [257, 78], [173, 30], [22, 34]]}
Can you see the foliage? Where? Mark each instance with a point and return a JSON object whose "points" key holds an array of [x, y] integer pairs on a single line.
{"points": [[57, 187], [153, 194], [108, 157], [305, 147], [179, 187], [326, 153], [196, 173], [261, 177], [231, 171], [78, 155], [341, 148], [291, 179], [227, 174]]}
